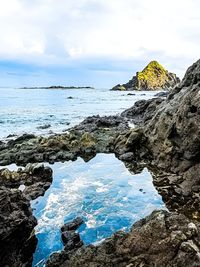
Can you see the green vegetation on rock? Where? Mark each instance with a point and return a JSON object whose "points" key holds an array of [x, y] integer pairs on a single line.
{"points": [[153, 77]]}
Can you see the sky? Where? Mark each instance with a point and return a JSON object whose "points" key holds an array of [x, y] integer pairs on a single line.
{"points": [[96, 43]]}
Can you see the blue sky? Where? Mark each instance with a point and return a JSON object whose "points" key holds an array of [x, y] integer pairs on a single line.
{"points": [[94, 42]]}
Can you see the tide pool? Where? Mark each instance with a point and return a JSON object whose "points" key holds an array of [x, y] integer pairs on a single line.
{"points": [[102, 191]]}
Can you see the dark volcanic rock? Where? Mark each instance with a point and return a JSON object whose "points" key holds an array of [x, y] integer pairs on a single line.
{"points": [[35, 177], [43, 127], [142, 111], [17, 239], [170, 142], [95, 134], [72, 225], [93, 123], [162, 94], [174, 131], [162, 239], [21, 139], [71, 240]]}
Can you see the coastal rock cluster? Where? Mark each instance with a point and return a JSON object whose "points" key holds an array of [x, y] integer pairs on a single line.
{"points": [[152, 77], [166, 139], [94, 135], [35, 179], [161, 239]]}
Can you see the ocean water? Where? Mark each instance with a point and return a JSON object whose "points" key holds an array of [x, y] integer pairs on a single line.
{"points": [[102, 191], [24, 110]]}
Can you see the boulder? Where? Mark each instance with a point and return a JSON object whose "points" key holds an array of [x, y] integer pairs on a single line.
{"points": [[73, 225]]}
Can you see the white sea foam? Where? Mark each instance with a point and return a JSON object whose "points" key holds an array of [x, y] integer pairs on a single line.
{"points": [[61, 203], [22, 187], [131, 125]]}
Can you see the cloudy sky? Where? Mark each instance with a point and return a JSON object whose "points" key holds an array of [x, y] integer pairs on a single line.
{"points": [[94, 42]]}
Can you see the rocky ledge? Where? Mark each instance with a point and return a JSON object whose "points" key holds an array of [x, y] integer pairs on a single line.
{"points": [[33, 180], [152, 77], [161, 239]]}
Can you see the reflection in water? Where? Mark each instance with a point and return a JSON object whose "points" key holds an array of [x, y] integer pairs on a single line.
{"points": [[101, 191]]}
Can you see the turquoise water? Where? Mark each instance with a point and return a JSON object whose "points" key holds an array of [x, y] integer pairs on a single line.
{"points": [[102, 191], [24, 110]]}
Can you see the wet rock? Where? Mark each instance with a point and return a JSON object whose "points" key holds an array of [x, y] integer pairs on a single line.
{"points": [[129, 156], [36, 178], [130, 94], [72, 225], [11, 135], [17, 238], [160, 239], [21, 138], [93, 123], [70, 239], [95, 134], [162, 94], [142, 111], [43, 127]]}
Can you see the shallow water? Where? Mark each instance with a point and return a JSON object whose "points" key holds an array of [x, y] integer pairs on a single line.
{"points": [[101, 191], [24, 110]]}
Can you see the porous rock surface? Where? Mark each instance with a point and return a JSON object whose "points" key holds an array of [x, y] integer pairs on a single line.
{"points": [[35, 178], [17, 238], [162, 239]]}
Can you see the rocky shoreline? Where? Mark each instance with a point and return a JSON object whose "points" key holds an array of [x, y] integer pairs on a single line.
{"points": [[166, 139]]}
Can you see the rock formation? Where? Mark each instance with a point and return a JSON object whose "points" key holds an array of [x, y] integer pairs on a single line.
{"points": [[34, 178], [17, 238], [152, 77], [161, 239]]}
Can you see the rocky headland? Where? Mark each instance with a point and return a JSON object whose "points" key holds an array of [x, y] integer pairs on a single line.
{"points": [[153, 77], [166, 139]]}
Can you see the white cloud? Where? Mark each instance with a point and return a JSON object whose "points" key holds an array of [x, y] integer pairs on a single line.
{"points": [[56, 32]]}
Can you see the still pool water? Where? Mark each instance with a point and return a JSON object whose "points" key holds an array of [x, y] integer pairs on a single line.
{"points": [[102, 191]]}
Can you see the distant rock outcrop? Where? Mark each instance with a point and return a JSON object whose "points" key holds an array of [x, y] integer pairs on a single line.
{"points": [[153, 77]]}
